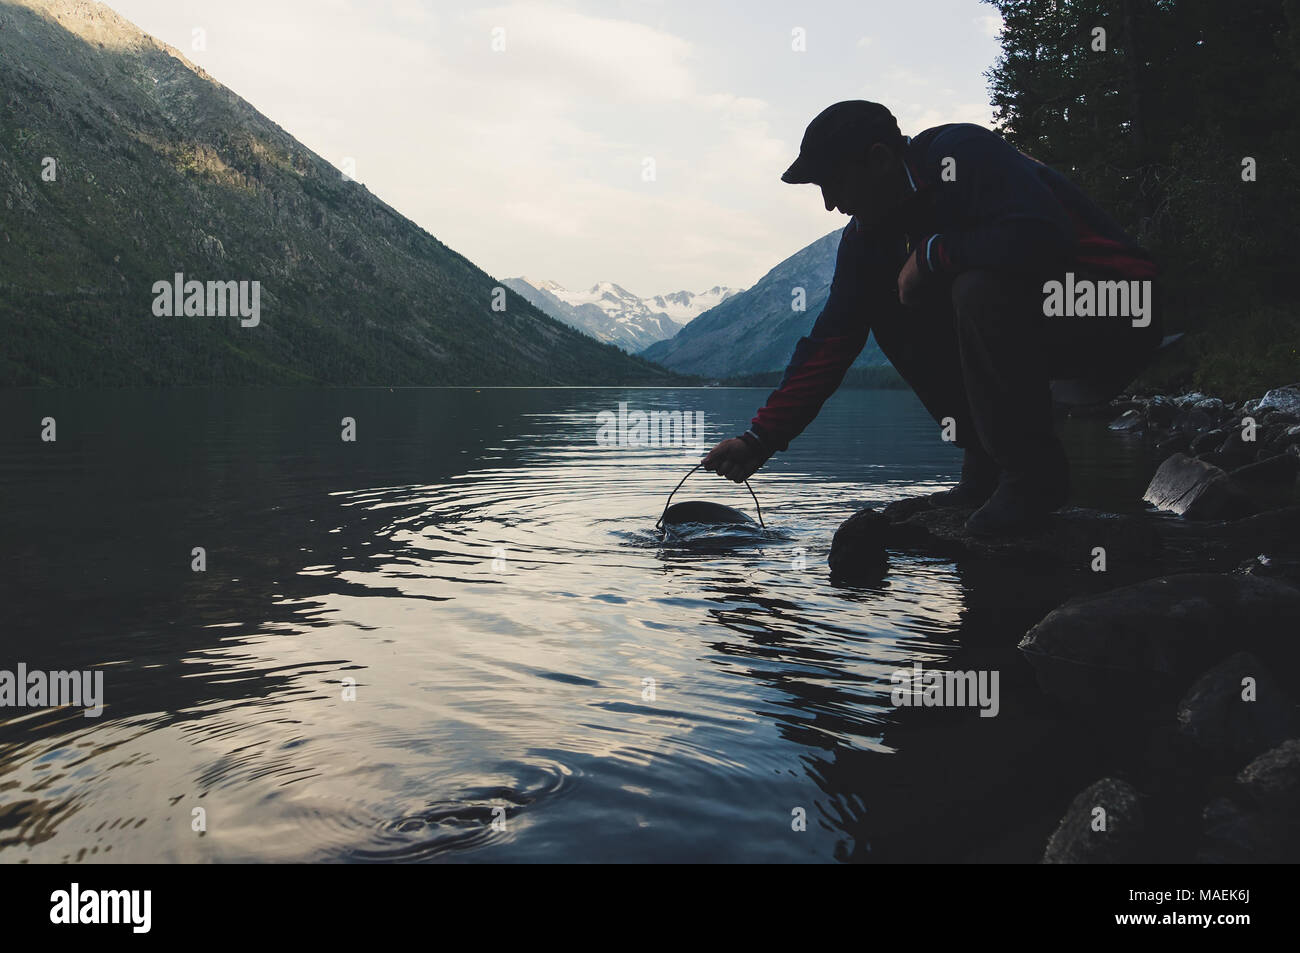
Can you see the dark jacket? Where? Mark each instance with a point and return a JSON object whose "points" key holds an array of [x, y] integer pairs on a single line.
{"points": [[996, 209]]}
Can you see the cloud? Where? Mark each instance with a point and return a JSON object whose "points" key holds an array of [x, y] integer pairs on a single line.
{"points": [[990, 25], [914, 117], [619, 59], [529, 160]]}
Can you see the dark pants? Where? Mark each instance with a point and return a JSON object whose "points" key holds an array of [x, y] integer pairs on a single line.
{"points": [[980, 350]]}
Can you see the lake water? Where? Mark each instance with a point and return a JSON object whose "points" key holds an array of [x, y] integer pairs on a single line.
{"points": [[533, 675]]}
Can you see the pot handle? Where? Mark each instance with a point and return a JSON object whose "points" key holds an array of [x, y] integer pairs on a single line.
{"points": [[660, 521]]}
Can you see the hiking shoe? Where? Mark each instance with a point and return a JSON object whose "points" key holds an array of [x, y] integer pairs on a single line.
{"points": [[979, 478], [1022, 502]]}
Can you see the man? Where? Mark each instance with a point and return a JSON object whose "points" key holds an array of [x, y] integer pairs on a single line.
{"points": [[954, 241]]}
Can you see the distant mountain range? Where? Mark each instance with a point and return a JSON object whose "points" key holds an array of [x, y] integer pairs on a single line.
{"points": [[613, 314], [756, 330], [123, 165]]}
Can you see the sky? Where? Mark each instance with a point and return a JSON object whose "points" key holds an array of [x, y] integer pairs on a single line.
{"points": [[634, 141]]}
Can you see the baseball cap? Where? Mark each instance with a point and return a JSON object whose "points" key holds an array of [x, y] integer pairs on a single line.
{"points": [[840, 128]]}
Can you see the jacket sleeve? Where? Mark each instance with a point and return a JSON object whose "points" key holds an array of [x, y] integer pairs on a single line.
{"points": [[862, 280], [997, 212]]}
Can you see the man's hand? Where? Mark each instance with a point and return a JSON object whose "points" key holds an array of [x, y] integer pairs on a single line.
{"points": [[733, 459], [910, 279]]}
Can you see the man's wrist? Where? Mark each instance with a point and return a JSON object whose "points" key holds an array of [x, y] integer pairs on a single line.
{"points": [[755, 443]]}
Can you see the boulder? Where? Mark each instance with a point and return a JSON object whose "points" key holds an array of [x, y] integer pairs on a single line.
{"points": [[1137, 645], [1221, 460], [1210, 440], [1277, 418], [1237, 835], [1283, 399], [1285, 436], [1175, 443], [1272, 780], [1236, 449], [1219, 545], [1259, 820], [1196, 490], [1278, 471], [858, 549], [1160, 411], [1223, 720], [1104, 824], [1272, 436], [1067, 538], [1191, 420]]}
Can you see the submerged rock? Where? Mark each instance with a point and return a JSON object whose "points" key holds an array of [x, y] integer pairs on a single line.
{"points": [[1104, 824], [1236, 711], [1259, 820], [1129, 421], [1196, 489], [1136, 645]]}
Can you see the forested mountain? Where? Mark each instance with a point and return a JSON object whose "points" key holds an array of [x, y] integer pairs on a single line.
{"points": [[122, 165]]}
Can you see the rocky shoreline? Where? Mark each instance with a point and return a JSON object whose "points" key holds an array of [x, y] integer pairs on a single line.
{"points": [[1181, 643]]}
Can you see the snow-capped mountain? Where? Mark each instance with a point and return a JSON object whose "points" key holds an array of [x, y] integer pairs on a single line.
{"points": [[756, 331], [613, 314], [682, 306]]}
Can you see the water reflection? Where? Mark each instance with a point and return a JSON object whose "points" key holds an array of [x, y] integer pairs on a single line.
{"points": [[459, 637]]}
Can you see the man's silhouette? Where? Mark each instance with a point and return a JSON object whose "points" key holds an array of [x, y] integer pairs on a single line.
{"points": [[953, 239]]}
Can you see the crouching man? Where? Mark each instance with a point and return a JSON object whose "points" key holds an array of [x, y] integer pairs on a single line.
{"points": [[990, 282]]}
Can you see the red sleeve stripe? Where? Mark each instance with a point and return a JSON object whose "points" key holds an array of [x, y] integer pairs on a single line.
{"points": [[793, 405]]}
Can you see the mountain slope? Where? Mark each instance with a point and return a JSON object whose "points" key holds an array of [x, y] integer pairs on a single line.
{"points": [[158, 170], [756, 330], [613, 314]]}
